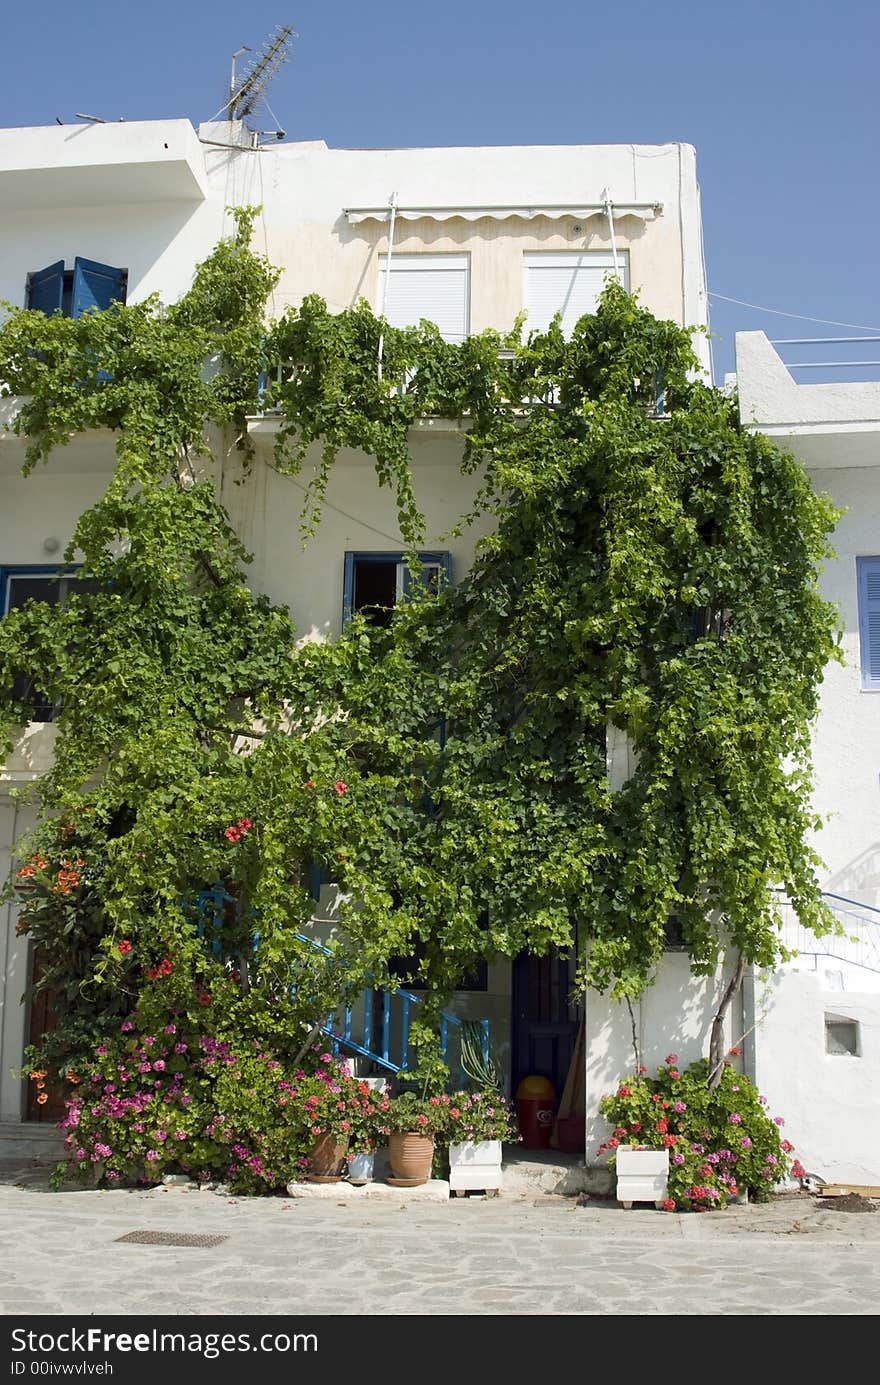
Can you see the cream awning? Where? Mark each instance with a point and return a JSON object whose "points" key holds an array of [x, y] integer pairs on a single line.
{"points": [[645, 211]]}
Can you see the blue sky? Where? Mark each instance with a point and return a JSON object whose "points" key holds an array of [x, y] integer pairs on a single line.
{"points": [[779, 98]]}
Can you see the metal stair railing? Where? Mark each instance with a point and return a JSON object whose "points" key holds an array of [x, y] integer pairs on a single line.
{"points": [[387, 1012], [859, 945], [377, 1014]]}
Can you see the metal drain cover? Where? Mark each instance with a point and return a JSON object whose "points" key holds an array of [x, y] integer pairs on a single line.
{"points": [[169, 1238]]}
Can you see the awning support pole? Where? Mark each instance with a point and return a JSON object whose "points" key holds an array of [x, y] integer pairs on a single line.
{"points": [[609, 212], [392, 214]]}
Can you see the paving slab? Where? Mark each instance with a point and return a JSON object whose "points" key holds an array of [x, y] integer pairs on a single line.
{"points": [[401, 1255]]}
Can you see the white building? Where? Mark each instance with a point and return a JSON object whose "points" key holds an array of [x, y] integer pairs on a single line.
{"points": [[817, 1040], [96, 211]]}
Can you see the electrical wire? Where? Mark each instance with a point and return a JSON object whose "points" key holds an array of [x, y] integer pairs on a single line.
{"points": [[328, 504], [802, 317]]}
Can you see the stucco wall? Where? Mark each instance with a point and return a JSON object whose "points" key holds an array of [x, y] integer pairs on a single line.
{"points": [[673, 1016], [358, 516], [828, 1101], [14, 957], [770, 396], [846, 738], [304, 189]]}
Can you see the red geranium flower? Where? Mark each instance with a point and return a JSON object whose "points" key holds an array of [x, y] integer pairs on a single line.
{"points": [[123, 946]]}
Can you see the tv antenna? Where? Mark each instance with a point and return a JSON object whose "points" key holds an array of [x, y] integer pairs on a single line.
{"points": [[246, 92]]}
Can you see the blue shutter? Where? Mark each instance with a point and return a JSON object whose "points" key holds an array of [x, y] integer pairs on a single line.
{"points": [[431, 561], [348, 588], [45, 289], [868, 574], [95, 286], [316, 879]]}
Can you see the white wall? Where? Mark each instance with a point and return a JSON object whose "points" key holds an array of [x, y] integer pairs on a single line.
{"points": [[14, 957], [846, 738], [304, 190], [673, 1016], [828, 1101], [358, 516]]}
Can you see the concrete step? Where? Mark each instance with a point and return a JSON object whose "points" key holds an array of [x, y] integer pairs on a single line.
{"points": [[530, 1172], [30, 1141]]}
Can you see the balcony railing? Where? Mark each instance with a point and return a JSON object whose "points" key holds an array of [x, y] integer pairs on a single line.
{"points": [[846, 354], [375, 1024]]}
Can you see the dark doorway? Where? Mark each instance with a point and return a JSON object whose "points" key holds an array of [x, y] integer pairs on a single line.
{"points": [[545, 1021], [375, 590]]}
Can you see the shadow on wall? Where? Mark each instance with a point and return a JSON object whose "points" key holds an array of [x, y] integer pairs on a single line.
{"points": [[674, 1015], [859, 879]]}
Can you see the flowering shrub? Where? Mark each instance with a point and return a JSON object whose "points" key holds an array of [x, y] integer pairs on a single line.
{"points": [[408, 1112], [329, 1101], [176, 1100], [720, 1142], [369, 1109], [480, 1115]]}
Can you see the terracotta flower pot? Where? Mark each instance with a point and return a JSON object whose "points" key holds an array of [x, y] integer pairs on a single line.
{"points": [[326, 1158], [410, 1156]]}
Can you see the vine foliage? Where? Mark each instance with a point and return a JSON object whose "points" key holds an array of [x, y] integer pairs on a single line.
{"points": [[649, 582]]}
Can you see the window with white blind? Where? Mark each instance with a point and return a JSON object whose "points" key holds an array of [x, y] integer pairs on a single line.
{"points": [[868, 581], [435, 287], [567, 282]]}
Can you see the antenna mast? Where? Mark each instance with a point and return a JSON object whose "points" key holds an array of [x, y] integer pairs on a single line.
{"points": [[244, 97]]}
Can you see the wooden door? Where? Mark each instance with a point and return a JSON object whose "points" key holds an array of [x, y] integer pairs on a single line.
{"points": [[42, 1021], [545, 1021]]}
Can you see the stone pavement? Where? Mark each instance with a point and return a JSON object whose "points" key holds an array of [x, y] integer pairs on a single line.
{"points": [[527, 1254]]}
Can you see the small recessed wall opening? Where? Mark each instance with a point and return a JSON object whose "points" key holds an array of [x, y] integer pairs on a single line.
{"points": [[841, 1036]]}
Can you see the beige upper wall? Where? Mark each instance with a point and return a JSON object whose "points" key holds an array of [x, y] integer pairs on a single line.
{"points": [[305, 191]]}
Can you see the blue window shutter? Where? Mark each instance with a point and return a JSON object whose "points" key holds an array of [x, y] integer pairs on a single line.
{"points": [[431, 561], [868, 574], [316, 876], [45, 289], [348, 588], [95, 286]]}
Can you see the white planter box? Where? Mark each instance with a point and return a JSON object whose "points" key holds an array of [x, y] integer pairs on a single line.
{"points": [[360, 1168], [641, 1175], [475, 1165]]}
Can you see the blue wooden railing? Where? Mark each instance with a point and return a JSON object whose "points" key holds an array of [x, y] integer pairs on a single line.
{"points": [[376, 1026]]}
